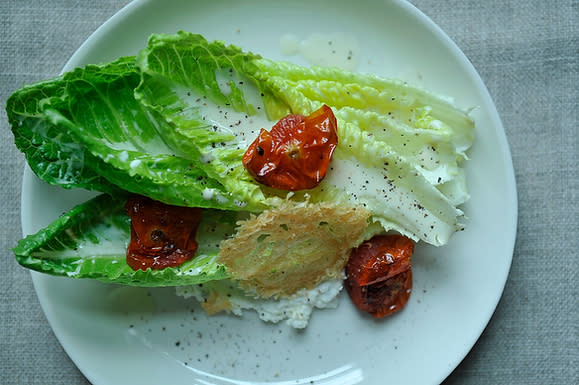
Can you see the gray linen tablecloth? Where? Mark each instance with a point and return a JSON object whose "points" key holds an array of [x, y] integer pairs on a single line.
{"points": [[526, 53]]}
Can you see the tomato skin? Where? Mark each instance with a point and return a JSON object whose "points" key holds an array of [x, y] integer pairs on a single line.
{"points": [[161, 235], [379, 274], [383, 298], [296, 153]]}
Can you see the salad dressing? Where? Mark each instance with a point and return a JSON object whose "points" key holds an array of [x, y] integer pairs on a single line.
{"points": [[373, 188], [326, 50], [243, 127]]}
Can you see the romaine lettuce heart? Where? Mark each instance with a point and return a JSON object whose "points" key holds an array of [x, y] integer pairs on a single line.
{"points": [[173, 123]]}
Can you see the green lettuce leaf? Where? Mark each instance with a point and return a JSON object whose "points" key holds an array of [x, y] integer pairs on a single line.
{"points": [[213, 109], [85, 129], [90, 241], [406, 142], [50, 149]]}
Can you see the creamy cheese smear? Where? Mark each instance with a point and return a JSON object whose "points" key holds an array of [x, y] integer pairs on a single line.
{"points": [[295, 309]]}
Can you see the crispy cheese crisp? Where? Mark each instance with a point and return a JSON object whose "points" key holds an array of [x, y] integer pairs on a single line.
{"points": [[293, 246]]}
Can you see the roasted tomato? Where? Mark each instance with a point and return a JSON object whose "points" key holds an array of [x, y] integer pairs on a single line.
{"points": [[296, 153], [161, 235], [379, 274]]}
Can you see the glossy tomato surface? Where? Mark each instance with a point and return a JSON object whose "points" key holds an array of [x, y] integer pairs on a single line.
{"points": [[379, 274], [296, 153], [161, 235]]}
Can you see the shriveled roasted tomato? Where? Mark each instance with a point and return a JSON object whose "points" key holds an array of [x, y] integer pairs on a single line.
{"points": [[161, 235], [296, 153], [379, 274], [382, 298]]}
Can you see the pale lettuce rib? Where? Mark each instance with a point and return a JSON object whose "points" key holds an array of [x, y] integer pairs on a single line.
{"points": [[406, 143]]}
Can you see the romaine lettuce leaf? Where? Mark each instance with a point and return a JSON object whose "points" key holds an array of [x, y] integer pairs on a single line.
{"points": [[85, 129], [408, 143], [213, 109], [90, 241], [50, 149]]}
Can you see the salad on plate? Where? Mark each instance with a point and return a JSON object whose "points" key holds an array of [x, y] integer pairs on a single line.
{"points": [[244, 182]]}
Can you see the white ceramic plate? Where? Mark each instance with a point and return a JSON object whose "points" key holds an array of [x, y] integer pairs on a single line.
{"points": [[118, 335]]}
